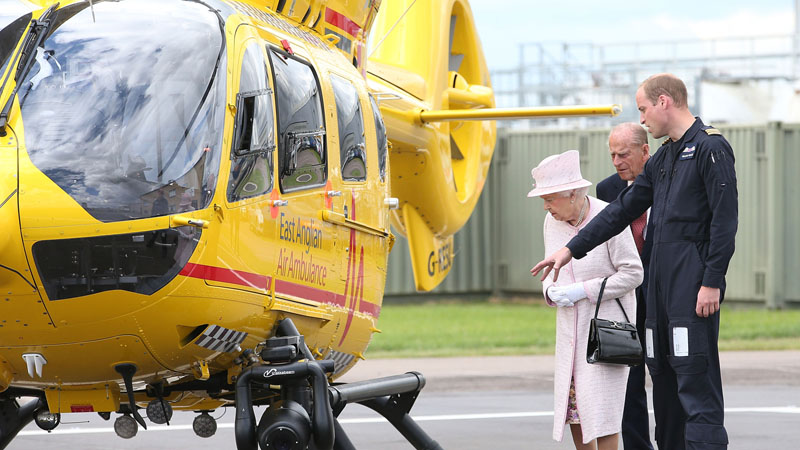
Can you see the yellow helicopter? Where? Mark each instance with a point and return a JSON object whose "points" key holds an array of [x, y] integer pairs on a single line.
{"points": [[196, 199]]}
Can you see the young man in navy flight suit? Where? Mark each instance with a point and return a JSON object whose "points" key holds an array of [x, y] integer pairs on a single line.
{"points": [[690, 186], [627, 144]]}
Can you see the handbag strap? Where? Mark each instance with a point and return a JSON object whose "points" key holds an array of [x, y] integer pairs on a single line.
{"points": [[600, 297]]}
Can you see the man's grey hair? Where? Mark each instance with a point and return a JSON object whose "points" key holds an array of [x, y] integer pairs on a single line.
{"points": [[637, 132]]}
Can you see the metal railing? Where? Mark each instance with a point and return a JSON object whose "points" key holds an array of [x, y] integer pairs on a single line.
{"points": [[578, 73]]}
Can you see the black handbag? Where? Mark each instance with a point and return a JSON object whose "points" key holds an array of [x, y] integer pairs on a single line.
{"points": [[612, 342]]}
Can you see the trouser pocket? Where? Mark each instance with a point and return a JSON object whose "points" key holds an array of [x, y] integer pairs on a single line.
{"points": [[688, 341], [706, 436], [694, 360]]}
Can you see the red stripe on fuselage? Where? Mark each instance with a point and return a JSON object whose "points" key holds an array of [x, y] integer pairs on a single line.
{"points": [[231, 276], [356, 282], [342, 22], [255, 280]]}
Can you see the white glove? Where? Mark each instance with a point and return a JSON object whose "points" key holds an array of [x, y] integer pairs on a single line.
{"points": [[566, 295], [562, 302], [556, 296]]}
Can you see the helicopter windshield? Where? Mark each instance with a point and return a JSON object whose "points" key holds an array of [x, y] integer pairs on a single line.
{"points": [[123, 107]]}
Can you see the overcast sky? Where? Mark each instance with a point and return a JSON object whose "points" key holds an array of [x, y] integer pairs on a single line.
{"points": [[503, 24]]}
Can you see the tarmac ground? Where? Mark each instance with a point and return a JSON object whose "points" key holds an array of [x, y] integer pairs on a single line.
{"points": [[535, 372], [472, 403]]}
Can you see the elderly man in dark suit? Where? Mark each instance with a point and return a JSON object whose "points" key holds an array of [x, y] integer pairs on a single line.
{"points": [[629, 150]]}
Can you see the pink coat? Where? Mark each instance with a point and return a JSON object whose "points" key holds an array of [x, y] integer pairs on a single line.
{"points": [[599, 388]]}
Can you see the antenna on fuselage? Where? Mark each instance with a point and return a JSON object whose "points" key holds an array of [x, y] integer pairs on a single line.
{"points": [[391, 29]]}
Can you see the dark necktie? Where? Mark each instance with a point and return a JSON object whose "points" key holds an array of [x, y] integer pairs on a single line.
{"points": [[637, 227]]}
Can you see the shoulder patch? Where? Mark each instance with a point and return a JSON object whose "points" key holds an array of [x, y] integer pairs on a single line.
{"points": [[712, 131]]}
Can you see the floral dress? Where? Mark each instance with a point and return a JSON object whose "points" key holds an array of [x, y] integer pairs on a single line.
{"points": [[572, 406]]}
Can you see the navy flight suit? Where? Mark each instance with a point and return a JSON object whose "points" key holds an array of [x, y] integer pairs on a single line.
{"points": [[691, 186]]}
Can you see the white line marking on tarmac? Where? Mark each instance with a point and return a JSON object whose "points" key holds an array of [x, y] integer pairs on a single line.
{"points": [[508, 415]]}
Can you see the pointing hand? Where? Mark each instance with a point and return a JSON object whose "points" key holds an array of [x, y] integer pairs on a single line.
{"points": [[554, 262]]}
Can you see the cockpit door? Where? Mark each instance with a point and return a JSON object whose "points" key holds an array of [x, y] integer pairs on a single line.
{"points": [[246, 226], [362, 180]]}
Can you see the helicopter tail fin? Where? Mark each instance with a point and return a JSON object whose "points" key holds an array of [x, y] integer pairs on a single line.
{"points": [[431, 255]]}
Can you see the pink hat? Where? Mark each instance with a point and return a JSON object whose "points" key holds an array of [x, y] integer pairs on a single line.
{"points": [[558, 173]]}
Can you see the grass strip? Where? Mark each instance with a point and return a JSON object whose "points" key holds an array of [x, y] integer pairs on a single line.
{"points": [[454, 328]]}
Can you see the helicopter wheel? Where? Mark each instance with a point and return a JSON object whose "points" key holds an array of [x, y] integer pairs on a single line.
{"points": [[46, 420], [159, 411], [125, 426], [204, 425]]}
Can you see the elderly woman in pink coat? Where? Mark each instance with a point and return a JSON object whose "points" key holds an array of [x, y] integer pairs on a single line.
{"points": [[588, 397]]}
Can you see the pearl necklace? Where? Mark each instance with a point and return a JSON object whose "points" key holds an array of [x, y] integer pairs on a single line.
{"points": [[582, 213]]}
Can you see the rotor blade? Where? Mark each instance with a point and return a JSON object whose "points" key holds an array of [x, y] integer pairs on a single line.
{"points": [[455, 62], [455, 59], [455, 151]]}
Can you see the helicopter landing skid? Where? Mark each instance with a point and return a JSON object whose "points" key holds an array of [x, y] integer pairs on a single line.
{"points": [[392, 397]]}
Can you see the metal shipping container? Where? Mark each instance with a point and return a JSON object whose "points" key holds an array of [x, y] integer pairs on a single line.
{"points": [[503, 239]]}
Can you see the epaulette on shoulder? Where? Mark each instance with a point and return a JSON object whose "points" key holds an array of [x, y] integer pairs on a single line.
{"points": [[712, 131]]}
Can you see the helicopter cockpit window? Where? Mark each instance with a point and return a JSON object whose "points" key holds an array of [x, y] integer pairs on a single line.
{"points": [[380, 131], [352, 145], [302, 157], [123, 121], [254, 136]]}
